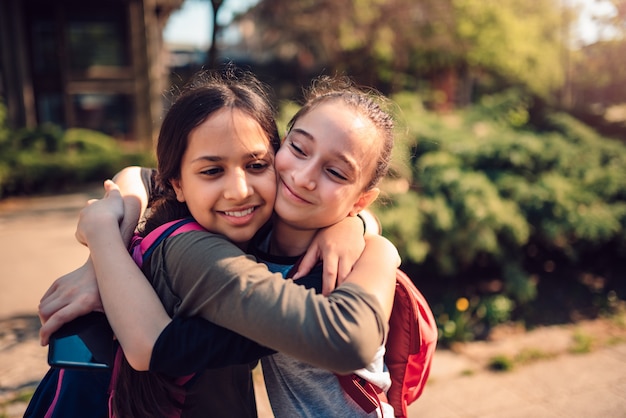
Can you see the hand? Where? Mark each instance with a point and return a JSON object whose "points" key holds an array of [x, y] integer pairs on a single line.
{"points": [[339, 247], [100, 213], [70, 296]]}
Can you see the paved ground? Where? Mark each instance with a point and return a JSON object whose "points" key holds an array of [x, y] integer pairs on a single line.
{"points": [[37, 246]]}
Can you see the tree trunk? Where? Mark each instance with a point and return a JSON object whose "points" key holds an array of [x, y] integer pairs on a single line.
{"points": [[213, 50]]}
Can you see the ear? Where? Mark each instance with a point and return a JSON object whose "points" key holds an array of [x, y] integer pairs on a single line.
{"points": [[180, 196], [364, 200]]}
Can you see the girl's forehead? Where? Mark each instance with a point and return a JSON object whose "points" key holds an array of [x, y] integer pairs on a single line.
{"points": [[344, 124], [230, 128]]}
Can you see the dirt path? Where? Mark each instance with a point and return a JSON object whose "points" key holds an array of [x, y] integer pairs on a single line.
{"points": [[37, 245]]}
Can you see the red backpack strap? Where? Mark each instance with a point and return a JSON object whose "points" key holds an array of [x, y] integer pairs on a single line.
{"points": [[367, 395]]}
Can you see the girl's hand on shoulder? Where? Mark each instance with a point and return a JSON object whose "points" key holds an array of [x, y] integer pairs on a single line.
{"points": [[339, 247], [101, 214]]}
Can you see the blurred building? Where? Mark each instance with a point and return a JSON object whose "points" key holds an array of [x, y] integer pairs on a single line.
{"points": [[92, 64]]}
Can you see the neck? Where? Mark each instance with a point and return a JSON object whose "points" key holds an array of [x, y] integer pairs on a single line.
{"points": [[243, 246], [288, 240]]}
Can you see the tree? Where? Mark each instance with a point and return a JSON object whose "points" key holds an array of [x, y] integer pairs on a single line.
{"points": [[212, 55], [598, 76], [397, 44], [213, 51]]}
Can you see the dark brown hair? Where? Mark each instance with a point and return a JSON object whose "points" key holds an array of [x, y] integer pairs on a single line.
{"points": [[205, 94], [148, 394]]}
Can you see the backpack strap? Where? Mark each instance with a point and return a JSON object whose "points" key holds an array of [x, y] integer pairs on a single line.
{"points": [[141, 248], [366, 394]]}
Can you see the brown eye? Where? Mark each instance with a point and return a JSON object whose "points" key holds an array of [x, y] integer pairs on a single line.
{"points": [[258, 166], [211, 171]]}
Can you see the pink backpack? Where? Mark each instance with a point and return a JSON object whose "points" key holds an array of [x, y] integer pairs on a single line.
{"points": [[140, 249], [409, 353]]}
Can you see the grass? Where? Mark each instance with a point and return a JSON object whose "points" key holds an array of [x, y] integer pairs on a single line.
{"points": [[503, 363], [582, 343], [532, 355], [22, 396]]}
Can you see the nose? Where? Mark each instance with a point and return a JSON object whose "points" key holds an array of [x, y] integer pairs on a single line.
{"points": [[304, 177], [236, 186]]}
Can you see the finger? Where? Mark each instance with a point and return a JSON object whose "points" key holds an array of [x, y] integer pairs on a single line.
{"points": [[59, 318], [343, 271], [79, 237], [329, 275], [51, 305], [308, 261], [111, 187], [51, 290]]}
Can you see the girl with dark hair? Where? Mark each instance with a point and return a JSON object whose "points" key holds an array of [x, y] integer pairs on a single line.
{"points": [[214, 163]]}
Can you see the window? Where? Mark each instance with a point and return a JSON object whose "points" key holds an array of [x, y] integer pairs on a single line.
{"points": [[96, 42], [108, 113]]}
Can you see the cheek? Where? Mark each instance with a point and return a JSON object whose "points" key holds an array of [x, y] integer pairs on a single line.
{"points": [[264, 185], [282, 161], [343, 197], [269, 187]]}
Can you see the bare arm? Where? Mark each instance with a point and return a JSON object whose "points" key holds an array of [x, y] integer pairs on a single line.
{"points": [[76, 293], [340, 333], [376, 269], [135, 198], [130, 290]]}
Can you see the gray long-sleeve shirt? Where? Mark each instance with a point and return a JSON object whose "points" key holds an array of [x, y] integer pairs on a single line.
{"points": [[200, 273]]}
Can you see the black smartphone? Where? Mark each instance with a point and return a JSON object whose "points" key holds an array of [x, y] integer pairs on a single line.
{"points": [[87, 342]]}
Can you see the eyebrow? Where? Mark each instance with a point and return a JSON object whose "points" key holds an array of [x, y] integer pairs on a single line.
{"points": [[351, 164], [217, 158], [210, 158]]}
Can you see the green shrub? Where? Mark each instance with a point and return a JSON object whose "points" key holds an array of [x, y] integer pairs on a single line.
{"points": [[48, 159], [508, 216]]}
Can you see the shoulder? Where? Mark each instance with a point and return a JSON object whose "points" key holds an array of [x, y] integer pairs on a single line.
{"points": [[200, 243]]}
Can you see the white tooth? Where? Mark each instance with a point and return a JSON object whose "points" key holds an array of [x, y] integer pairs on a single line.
{"points": [[239, 213]]}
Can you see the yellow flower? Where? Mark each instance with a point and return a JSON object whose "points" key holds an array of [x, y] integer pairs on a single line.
{"points": [[462, 304]]}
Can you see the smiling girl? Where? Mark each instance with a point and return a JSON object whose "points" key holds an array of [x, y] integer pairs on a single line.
{"points": [[215, 158]]}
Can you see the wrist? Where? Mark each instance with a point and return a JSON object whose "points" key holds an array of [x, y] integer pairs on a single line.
{"points": [[93, 231]]}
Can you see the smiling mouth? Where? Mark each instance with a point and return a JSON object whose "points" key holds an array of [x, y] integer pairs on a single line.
{"points": [[293, 195], [239, 213]]}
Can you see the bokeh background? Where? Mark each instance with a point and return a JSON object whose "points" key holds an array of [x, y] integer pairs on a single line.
{"points": [[507, 197]]}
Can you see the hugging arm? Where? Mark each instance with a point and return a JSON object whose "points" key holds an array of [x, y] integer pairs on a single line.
{"points": [[76, 293], [342, 332], [195, 353], [190, 344]]}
